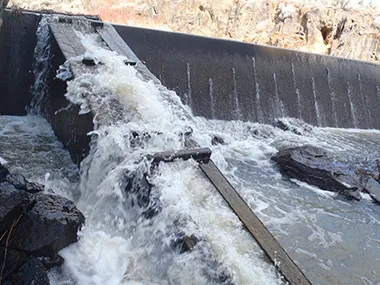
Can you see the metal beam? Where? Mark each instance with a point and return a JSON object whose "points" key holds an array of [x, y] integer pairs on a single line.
{"points": [[265, 239]]}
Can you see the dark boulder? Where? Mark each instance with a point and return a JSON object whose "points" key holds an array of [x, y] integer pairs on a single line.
{"points": [[293, 125], [12, 260], [31, 272], [10, 197], [51, 225], [20, 183], [50, 262], [373, 188], [217, 140], [3, 172], [138, 190], [32, 224], [312, 165]]}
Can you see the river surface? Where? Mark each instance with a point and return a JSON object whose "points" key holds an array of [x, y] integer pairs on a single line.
{"points": [[333, 241]]}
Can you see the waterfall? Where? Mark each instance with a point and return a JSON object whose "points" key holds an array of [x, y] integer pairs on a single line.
{"points": [[333, 98], [235, 98], [137, 216], [279, 105], [259, 113], [189, 95], [352, 106], [316, 103], [212, 98], [298, 94], [41, 66]]}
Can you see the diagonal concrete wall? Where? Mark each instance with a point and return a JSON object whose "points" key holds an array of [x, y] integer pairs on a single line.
{"points": [[232, 80]]}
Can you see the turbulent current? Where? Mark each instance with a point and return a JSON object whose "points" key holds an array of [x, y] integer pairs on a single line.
{"points": [[132, 236]]}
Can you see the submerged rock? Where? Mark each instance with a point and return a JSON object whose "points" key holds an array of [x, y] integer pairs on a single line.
{"points": [[373, 188], [31, 272], [312, 165], [33, 224]]}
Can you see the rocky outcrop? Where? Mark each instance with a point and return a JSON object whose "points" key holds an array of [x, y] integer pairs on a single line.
{"points": [[312, 165], [339, 28], [33, 227]]}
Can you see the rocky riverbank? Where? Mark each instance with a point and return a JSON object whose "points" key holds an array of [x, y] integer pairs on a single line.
{"points": [[34, 227]]}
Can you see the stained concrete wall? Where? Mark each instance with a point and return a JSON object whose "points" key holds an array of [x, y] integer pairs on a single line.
{"points": [[232, 80], [221, 79], [17, 42]]}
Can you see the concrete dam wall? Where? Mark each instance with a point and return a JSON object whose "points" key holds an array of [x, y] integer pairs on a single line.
{"points": [[220, 79], [230, 80]]}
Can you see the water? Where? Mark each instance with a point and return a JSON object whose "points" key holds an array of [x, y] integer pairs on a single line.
{"points": [[259, 112], [212, 98], [333, 241], [28, 146], [298, 94], [333, 98], [189, 95], [352, 107], [280, 108], [235, 97], [43, 54], [316, 103]]}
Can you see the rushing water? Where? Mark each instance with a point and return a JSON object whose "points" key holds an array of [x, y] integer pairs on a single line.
{"points": [[333, 241]]}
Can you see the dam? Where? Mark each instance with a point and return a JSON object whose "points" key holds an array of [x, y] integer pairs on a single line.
{"points": [[225, 96]]}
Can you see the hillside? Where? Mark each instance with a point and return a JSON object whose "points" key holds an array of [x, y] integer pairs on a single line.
{"points": [[335, 27]]}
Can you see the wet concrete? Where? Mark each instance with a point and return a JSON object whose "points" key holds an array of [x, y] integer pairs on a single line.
{"points": [[232, 80], [219, 79]]}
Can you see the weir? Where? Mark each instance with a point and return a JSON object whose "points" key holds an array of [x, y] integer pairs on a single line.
{"points": [[259, 83]]}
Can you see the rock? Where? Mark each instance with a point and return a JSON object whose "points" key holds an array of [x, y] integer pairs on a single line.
{"points": [[311, 165], [20, 183], [13, 261], [32, 225], [293, 125], [50, 262], [373, 188], [217, 140], [51, 225], [138, 190], [10, 197], [3, 172], [32, 272], [350, 194]]}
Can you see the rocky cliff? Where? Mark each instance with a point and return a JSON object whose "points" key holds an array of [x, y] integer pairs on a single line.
{"points": [[336, 27]]}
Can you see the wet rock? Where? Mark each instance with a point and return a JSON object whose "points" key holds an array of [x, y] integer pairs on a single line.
{"points": [[138, 191], [20, 183], [13, 260], [32, 225], [217, 140], [3, 172], [350, 194], [50, 262], [293, 125], [32, 272], [184, 243], [51, 225], [10, 197], [373, 188], [311, 165]]}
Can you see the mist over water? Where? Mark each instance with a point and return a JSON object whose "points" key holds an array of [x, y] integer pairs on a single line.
{"points": [[333, 241]]}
